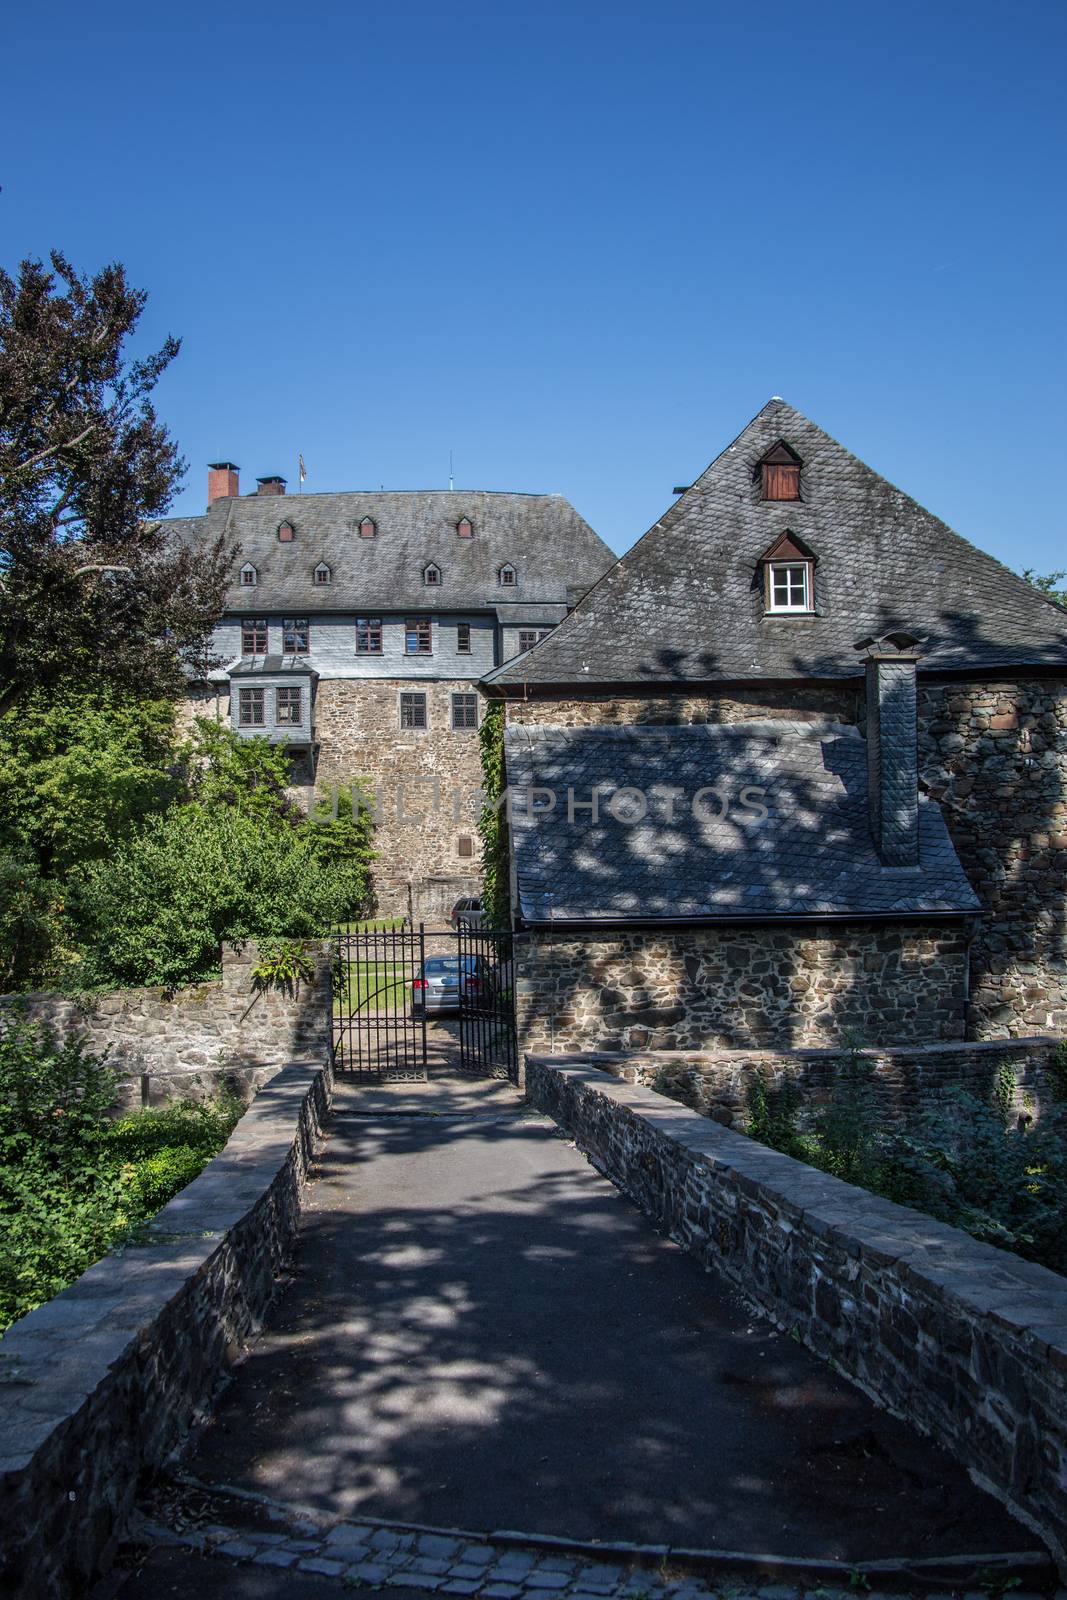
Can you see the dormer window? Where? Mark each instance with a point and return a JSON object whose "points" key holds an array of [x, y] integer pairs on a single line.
{"points": [[286, 533], [788, 577], [323, 575], [465, 528], [431, 576], [779, 473], [788, 586], [507, 577], [367, 528], [249, 576]]}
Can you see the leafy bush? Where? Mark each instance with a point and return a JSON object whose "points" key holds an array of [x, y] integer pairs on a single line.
{"points": [[34, 939], [158, 910], [73, 1182], [964, 1161]]}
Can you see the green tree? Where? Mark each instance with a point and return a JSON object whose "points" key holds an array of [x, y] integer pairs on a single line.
{"points": [[80, 767], [1048, 585], [93, 587], [158, 910]]}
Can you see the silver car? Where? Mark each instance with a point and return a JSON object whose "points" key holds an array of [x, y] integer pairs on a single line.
{"points": [[442, 980]]}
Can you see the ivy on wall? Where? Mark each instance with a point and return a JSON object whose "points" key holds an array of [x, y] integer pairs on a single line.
{"points": [[492, 824]]}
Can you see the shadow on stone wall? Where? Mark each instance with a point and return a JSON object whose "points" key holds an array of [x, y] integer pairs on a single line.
{"points": [[190, 1043]]}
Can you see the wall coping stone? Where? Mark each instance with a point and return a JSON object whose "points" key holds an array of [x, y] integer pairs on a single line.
{"points": [[1003, 1312], [105, 1380]]}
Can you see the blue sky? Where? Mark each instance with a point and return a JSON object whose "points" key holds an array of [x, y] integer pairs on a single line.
{"points": [[577, 244]]}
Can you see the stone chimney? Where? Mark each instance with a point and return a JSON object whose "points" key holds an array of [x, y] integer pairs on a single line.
{"points": [[222, 481], [273, 485], [892, 747]]}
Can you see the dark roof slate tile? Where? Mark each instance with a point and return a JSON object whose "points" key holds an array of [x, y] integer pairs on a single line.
{"points": [[685, 603], [552, 549], [810, 856]]}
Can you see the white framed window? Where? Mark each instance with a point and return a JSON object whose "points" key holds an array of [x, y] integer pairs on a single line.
{"points": [[789, 586], [249, 576], [323, 575], [431, 575], [507, 576]]}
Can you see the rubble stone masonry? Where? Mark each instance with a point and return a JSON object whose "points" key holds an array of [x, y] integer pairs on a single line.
{"points": [[994, 755], [714, 988], [427, 782]]}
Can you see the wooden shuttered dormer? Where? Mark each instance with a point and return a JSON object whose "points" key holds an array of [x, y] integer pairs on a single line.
{"points": [[780, 474]]}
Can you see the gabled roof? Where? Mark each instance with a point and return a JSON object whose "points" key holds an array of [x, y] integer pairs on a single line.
{"points": [[541, 535], [810, 856], [684, 605]]}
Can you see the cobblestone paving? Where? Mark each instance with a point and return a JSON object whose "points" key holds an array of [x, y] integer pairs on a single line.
{"points": [[374, 1557]]}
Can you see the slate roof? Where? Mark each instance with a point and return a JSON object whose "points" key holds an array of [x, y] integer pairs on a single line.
{"points": [[685, 604], [552, 549], [812, 855], [272, 666]]}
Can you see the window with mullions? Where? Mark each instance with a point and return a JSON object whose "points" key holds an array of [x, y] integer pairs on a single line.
{"points": [[789, 586], [418, 637], [288, 708], [296, 636], [254, 636], [528, 637], [464, 711], [250, 708], [368, 636], [463, 638], [412, 710]]}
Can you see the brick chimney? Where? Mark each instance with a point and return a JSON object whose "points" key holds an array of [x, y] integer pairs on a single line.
{"points": [[892, 747], [222, 481], [273, 485]]}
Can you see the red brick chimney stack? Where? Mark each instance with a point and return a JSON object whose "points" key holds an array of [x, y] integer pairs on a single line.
{"points": [[222, 481], [271, 485]]}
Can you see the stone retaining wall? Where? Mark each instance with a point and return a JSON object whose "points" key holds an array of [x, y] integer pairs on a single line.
{"points": [[103, 1382], [190, 1042], [906, 1079], [966, 1342], [739, 988]]}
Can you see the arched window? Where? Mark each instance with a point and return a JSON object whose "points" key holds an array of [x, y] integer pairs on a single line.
{"points": [[465, 528], [323, 575], [431, 575], [507, 576], [249, 576], [779, 473], [286, 533], [367, 528]]}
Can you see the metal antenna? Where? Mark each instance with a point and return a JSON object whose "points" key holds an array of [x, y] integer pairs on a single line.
{"points": [[450, 472]]}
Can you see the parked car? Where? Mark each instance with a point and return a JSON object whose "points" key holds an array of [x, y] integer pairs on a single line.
{"points": [[468, 911], [442, 981]]}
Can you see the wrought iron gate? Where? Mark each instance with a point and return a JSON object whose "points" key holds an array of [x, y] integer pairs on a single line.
{"points": [[487, 1041], [379, 1028], [376, 1030]]}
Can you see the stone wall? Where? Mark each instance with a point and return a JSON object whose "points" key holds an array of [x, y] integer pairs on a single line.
{"points": [[995, 756], [830, 702], [714, 988], [103, 1383], [429, 782], [906, 1079], [966, 1342], [189, 1042]]}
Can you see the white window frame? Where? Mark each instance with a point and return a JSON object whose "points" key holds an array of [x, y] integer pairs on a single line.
{"points": [[249, 576], [322, 575], [789, 607]]}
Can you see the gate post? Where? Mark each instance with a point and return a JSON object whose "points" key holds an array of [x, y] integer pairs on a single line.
{"points": [[422, 970]]}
